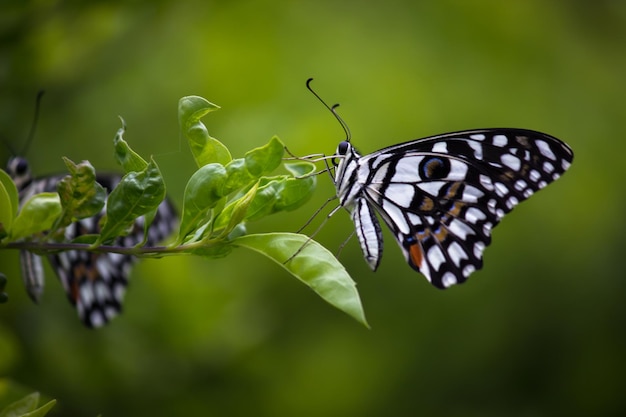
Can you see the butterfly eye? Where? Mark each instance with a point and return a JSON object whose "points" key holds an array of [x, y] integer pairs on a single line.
{"points": [[21, 167], [342, 148], [17, 167]]}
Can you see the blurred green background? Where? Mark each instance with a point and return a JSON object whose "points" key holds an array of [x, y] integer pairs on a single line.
{"points": [[538, 332]]}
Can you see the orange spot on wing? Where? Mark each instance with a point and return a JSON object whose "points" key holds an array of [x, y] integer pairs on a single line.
{"points": [[415, 252]]}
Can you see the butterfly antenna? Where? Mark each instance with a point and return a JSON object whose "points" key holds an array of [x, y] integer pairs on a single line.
{"points": [[33, 126], [332, 109]]}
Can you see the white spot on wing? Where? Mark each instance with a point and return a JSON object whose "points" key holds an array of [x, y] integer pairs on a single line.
{"points": [[471, 194], [460, 229], [441, 147], [431, 187], [458, 170], [448, 279], [534, 175], [457, 253], [436, 257], [486, 182], [97, 319], [477, 148], [511, 202], [479, 247], [548, 167], [401, 194], [511, 161], [473, 215], [467, 271], [396, 215], [545, 150], [501, 189], [500, 140]]}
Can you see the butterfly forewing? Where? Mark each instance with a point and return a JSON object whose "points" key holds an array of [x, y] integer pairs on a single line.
{"points": [[442, 196]]}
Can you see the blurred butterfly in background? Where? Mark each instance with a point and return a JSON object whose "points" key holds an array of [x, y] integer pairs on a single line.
{"points": [[94, 283], [442, 195]]}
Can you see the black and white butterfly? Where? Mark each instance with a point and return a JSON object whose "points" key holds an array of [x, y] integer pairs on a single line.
{"points": [[442, 195], [94, 283]]}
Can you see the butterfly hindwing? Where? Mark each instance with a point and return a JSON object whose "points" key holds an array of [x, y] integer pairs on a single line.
{"points": [[442, 195]]}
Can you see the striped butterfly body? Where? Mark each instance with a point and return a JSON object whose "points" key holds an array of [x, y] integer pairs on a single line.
{"points": [[442, 195], [94, 283]]}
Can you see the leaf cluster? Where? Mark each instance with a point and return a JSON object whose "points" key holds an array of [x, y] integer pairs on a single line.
{"points": [[220, 198]]}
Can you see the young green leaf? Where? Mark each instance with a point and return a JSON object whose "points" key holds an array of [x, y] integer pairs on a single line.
{"points": [[241, 172], [43, 410], [204, 148], [300, 169], [22, 406], [234, 213], [81, 196], [314, 265], [237, 176], [280, 193], [27, 407], [265, 159], [137, 194], [202, 193], [125, 156], [39, 213], [294, 193]]}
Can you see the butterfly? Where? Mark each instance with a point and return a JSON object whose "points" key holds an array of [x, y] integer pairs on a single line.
{"points": [[441, 196], [95, 283]]}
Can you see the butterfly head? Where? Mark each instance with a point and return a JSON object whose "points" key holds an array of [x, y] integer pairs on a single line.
{"points": [[342, 150], [19, 170]]}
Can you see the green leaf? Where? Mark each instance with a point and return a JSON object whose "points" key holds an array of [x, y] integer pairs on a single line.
{"points": [[264, 202], [21, 406], [265, 159], [43, 410], [81, 196], [9, 201], [204, 148], [314, 265], [241, 172], [137, 194], [280, 194], [234, 213], [294, 193], [38, 214], [202, 193], [237, 176], [27, 407], [125, 156], [300, 169]]}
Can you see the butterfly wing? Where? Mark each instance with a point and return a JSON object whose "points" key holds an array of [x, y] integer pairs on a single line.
{"points": [[441, 196], [94, 283]]}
